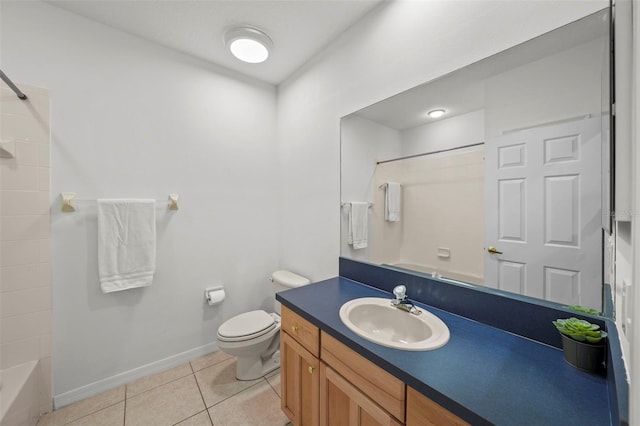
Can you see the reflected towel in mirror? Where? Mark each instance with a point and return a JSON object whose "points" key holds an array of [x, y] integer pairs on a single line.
{"points": [[358, 224], [392, 202]]}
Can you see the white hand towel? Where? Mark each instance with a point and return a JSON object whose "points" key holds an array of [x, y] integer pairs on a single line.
{"points": [[126, 243], [358, 227], [392, 202]]}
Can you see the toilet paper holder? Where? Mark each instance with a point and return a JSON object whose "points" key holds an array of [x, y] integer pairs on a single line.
{"points": [[214, 295]]}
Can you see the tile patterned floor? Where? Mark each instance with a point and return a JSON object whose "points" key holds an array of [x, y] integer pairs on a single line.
{"points": [[203, 392]]}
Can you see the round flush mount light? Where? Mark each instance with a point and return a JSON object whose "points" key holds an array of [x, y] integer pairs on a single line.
{"points": [[436, 113], [248, 44]]}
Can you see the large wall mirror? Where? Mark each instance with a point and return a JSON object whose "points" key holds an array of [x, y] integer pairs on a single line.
{"points": [[508, 188]]}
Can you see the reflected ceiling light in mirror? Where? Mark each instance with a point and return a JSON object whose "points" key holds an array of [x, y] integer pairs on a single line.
{"points": [[248, 44], [436, 113]]}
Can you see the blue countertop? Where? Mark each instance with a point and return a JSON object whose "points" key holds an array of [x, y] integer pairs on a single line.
{"points": [[483, 374]]}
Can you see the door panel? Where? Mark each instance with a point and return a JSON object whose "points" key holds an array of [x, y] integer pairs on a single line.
{"points": [[543, 212]]}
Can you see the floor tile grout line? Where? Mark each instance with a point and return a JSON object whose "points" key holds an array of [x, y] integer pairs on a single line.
{"points": [[273, 387], [187, 418], [91, 413], [210, 365], [202, 397], [124, 414], [237, 393], [126, 391], [155, 387]]}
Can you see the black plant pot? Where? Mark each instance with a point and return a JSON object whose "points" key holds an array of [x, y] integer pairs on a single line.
{"points": [[588, 357]]}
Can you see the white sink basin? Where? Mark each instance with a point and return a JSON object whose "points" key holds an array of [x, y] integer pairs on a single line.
{"points": [[374, 319]]}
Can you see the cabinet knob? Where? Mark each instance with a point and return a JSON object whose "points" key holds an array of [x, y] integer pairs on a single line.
{"points": [[311, 370], [294, 328]]}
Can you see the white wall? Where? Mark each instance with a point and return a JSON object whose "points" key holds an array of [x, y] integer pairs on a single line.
{"points": [[464, 129], [373, 60], [548, 90], [132, 119], [363, 143]]}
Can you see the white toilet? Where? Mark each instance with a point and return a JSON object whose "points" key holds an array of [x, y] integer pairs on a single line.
{"points": [[254, 337]]}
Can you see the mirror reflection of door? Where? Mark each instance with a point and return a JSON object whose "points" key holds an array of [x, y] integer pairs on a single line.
{"points": [[543, 213]]}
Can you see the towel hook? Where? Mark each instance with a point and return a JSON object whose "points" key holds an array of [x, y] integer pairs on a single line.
{"points": [[67, 201], [173, 201]]}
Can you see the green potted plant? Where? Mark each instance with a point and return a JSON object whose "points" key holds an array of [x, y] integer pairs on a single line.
{"points": [[584, 344]]}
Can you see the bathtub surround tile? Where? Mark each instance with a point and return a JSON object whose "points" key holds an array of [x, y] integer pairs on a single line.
{"points": [[25, 231], [166, 404], [21, 203], [24, 128], [22, 277], [44, 178], [200, 419], [44, 155], [25, 227], [218, 382], [45, 346], [19, 327], [258, 406], [209, 360], [23, 178], [25, 301], [46, 379], [44, 251], [15, 253], [27, 153], [158, 379], [88, 406], [18, 352]]}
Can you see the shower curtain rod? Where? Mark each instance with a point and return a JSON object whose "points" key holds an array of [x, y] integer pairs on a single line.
{"points": [[13, 86], [429, 153]]}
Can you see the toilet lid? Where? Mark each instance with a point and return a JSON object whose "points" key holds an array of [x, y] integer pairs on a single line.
{"points": [[246, 324]]}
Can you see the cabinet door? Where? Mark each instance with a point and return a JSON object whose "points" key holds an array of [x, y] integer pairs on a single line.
{"points": [[342, 404], [421, 411], [300, 382]]}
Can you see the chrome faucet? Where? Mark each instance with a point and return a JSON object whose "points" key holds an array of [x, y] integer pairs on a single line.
{"points": [[401, 301]]}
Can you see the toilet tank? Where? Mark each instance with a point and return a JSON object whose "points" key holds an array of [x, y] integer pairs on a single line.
{"points": [[283, 280]]}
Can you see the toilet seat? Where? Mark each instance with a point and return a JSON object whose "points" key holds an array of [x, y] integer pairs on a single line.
{"points": [[247, 326]]}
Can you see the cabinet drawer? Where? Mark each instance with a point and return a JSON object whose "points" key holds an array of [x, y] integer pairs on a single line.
{"points": [[382, 387], [305, 333], [421, 411]]}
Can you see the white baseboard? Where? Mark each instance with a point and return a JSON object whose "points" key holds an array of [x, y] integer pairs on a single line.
{"points": [[125, 377]]}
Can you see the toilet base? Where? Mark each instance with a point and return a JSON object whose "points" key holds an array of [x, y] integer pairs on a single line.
{"points": [[250, 368]]}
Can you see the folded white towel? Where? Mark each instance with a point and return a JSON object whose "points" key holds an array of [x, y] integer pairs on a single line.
{"points": [[358, 227], [392, 202], [126, 243]]}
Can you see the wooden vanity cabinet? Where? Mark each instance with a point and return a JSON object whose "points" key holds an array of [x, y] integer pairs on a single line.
{"points": [[323, 382], [299, 372], [342, 404], [375, 384], [421, 411]]}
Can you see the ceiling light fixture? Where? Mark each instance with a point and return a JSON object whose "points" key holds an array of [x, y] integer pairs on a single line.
{"points": [[436, 113], [248, 44]]}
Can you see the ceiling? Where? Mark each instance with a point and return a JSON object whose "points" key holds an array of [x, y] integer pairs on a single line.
{"points": [[463, 91], [300, 29]]}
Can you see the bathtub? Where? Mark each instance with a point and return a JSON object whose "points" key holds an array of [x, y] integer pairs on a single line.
{"points": [[454, 276], [19, 394]]}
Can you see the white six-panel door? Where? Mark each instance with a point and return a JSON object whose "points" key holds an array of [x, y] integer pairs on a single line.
{"points": [[543, 212]]}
